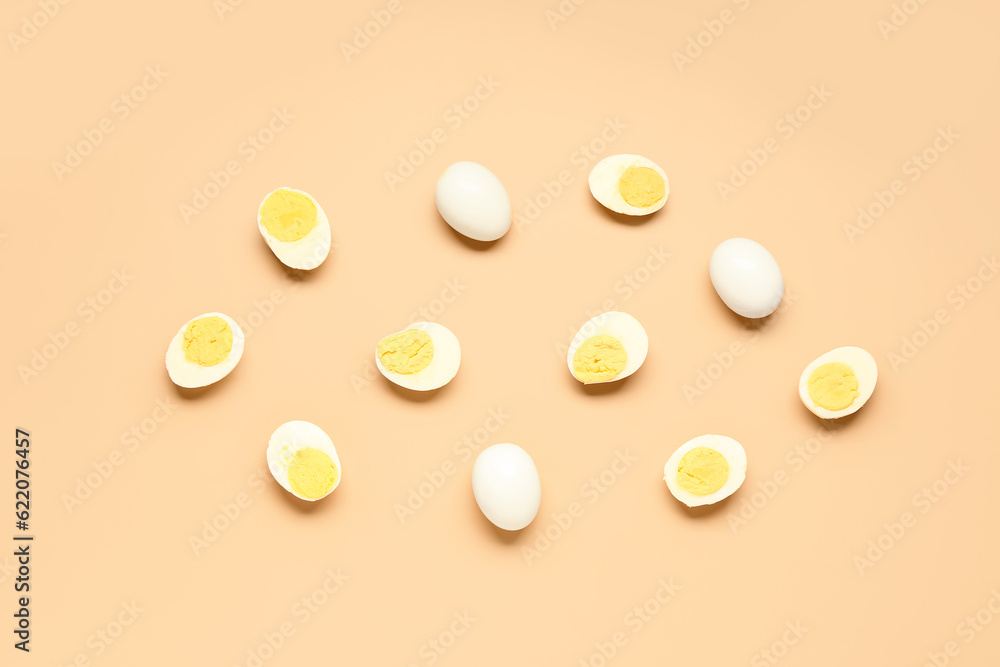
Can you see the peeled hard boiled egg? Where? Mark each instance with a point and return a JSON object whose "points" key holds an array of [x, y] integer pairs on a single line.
{"points": [[473, 201], [629, 184], [705, 470], [424, 356], [746, 277], [610, 346], [205, 350], [295, 228], [303, 460], [839, 382], [506, 486]]}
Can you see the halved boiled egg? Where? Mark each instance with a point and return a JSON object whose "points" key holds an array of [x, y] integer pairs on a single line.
{"points": [[424, 356], [303, 460], [839, 382], [705, 470], [295, 228], [610, 346], [629, 184], [205, 350]]}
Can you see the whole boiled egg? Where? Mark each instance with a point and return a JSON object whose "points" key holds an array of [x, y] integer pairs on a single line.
{"points": [[610, 346], [473, 201], [746, 277], [424, 356], [705, 470], [629, 184], [204, 350], [295, 228], [839, 382], [303, 460], [506, 485]]}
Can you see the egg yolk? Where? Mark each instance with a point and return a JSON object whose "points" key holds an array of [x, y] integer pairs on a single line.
{"points": [[287, 215], [207, 341], [599, 359], [702, 471], [311, 473], [833, 386], [407, 352], [641, 187]]}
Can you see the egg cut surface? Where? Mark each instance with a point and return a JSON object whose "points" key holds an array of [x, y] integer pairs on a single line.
{"points": [[839, 382], [422, 357], [303, 460], [295, 228], [610, 346], [629, 184], [746, 277], [473, 201], [204, 350], [705, 470], [506, 486]]}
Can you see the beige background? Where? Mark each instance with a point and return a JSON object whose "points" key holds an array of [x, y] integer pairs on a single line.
{"points": [[517, 302]]}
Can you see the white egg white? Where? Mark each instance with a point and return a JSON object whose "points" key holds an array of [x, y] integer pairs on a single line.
{"points": [[473, 201], [618, 325], [861, 362], [190, 375], [443, 366], [506, 486], [308, 252], [730, 449], [289, 438], [604, 179]]}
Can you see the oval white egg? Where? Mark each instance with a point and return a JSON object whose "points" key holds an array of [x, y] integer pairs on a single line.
{"points": [[629, 184], [303, 460], [473, 201], [422, 357], [297, 235], [838, 383], [746, 277], [506, 485], [184, 366], [610, 346], [705, 470]]}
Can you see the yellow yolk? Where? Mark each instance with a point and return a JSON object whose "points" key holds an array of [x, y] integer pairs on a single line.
{"points": [[311, 473], [207, 341], [702, 471], [406, 353], [599, 359], [833, 386], [287, 215], [641, 187]]}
